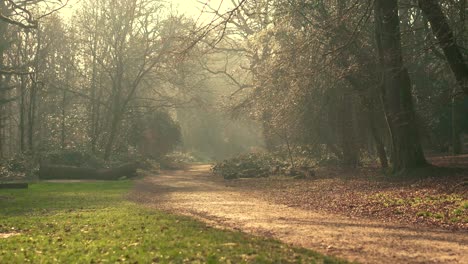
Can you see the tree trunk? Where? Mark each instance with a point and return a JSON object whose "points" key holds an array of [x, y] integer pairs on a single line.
{"points": [[96, 127], [32, 114], [33, 95], [457, 105], [63, 124], [456, 130], [22, 113], [396, 93], [379, 145], [347, 133], [2, 105], [444, 34], [113, 135], [3, 44], [94, 122]]}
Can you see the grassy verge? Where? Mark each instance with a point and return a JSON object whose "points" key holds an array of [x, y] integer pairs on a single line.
{"points": [[93, 223]]}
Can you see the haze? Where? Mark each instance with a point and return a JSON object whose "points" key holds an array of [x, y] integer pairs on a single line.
{"points": [[271, 131]]}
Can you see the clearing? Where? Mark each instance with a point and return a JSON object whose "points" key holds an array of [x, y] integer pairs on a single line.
{"points": [[93, 222], [197, 193]]}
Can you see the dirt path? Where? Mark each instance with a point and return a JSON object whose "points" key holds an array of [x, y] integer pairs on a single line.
{"points": [[197, 193]]}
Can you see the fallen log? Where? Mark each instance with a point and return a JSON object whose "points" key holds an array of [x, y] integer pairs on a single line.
{"points": [[59, 172], [13, 185]]}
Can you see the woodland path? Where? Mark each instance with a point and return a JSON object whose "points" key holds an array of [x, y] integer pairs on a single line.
{"points": [[197, 193]]}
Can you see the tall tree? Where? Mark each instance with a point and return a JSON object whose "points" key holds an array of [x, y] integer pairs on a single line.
{"points": [[454, 56], [128, 45], [447, 41], [407, 152]]}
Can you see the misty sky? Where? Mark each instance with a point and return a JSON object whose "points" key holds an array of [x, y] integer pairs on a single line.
{"points": [[191, 8]]}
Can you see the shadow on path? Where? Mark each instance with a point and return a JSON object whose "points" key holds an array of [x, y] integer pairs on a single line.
{"points": [[195, 192]]}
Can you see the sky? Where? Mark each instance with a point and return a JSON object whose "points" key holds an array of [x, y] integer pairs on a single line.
{"points": [[194, 8], [191, 8]]}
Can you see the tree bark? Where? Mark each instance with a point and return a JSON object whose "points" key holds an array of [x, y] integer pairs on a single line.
{"points": [[94, 107], [3, 44], [33, 95], [63, 117], [22, 113], [379, 144], [396, 93], [113, 135], [347, 132], [444, 34], [457, 115]]}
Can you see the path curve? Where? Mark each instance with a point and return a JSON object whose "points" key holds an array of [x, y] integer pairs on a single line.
{"points": [[195, 192]]}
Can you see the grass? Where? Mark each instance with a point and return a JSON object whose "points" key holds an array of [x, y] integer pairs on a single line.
{"points": [[443, 207], [94, 223]]}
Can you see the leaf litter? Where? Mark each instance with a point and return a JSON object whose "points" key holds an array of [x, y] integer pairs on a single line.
{"points": [[354, 216]]}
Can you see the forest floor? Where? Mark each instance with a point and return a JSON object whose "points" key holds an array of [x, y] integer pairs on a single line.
{"points": [[355, 216]]}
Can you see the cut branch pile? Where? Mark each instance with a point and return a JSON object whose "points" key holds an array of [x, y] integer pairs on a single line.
{"points": [[256, 165]]}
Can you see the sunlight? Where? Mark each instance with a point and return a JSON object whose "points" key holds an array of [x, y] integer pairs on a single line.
{"points": [[309, 131]]}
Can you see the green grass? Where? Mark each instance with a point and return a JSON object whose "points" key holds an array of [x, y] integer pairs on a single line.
{"points": [[444, 207], [93, 223]]}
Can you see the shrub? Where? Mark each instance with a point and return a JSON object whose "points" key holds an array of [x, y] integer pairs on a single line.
{"points": [[156, 134], [252, 165], [76, 158], [19, 167]]}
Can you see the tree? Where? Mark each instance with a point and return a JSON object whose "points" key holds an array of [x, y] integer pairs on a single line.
{"points": [[396, 89], [128, 43], [452, 52], [447, 41], [303, 54], [18, 23]]}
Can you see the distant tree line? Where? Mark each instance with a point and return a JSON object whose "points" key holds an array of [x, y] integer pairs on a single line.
{"points": [[341, 80], [101, 80]]}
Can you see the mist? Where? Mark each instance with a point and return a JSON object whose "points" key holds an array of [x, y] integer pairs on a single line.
{"points": [[320, 131]]}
